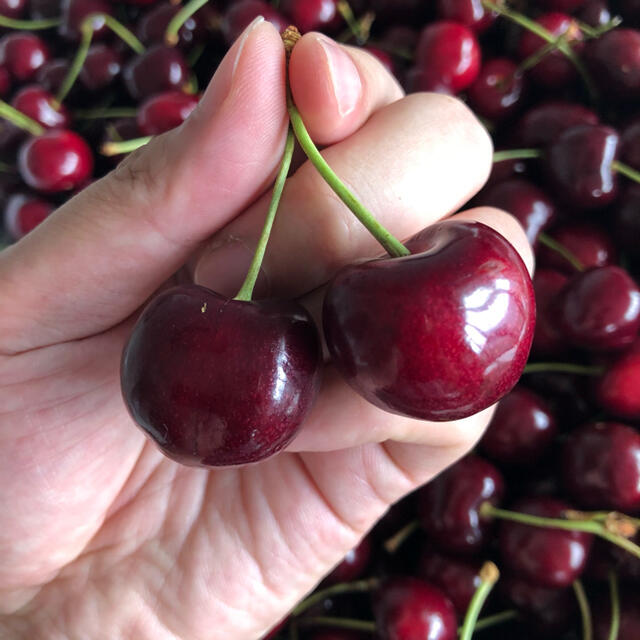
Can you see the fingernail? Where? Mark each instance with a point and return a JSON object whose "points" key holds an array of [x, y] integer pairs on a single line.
{"points": [[344, 76], [242, 41]]}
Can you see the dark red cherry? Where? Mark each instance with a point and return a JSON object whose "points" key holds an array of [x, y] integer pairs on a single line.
{"points": [[627, 220], [595, 13], [566, 6], [630, 144], [448, 506], [101, 67], [52, 73], [532, 207], [42, 9], [12, 8], [590, 244], [600, 309], [553, 70], [629, 616], [579, 166], [447, 56], [498, 91], [158, 69], [152, 25], [5, 81], [471, 13], [74, 13], [164, 111], [58, 160], [38, 104], [313, 15], [411, 609], [617, 389], [521, 431], [23, 213], [214, 381], [353, 565], [601, 466], [614, 59], [22, 54], [241, 13], [546, 557], [10, 137], [440, 334], [457, 577], [543, 123]]}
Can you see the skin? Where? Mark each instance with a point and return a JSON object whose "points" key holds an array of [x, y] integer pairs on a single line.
{"points": [[103, 537]]}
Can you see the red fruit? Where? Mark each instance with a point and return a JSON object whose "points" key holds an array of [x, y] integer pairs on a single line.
{"points": [[241, 13], [566, 6], [383, 56], [447, 56], [214, 381], [42, 9], [313, 15], [159, 68], [630, 144], [12, 8], [629, 616], [23, 213], [627, 220], [58, 160], [548, 339], [471, 13], [22, 54], [5, 81], [37, 104], [152, 25], [440, 334], [164, 111], [52, 73], [74, 13], [595, 13], [617, 389], [101, 67], [352, 565]]}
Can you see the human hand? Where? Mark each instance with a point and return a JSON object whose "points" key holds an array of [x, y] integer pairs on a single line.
{"points": [[104, 537]]}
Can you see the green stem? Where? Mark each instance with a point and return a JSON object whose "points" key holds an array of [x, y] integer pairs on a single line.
{"points": [[360, 586], [585, 610], [125, 146], [345, 10], [397, 539], [595, 32], [489, 575], [560, 249], [496, 618], [614, 629], [538, 55], [393, 246], [516, 154], [626, 170], [123, 33], [108, 112], [246, 290], [171, 34], [340, 623], [31, 25], [563, 367], [19, 119]]}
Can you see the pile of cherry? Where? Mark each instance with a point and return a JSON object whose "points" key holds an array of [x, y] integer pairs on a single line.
{"points": [[557, 83]]}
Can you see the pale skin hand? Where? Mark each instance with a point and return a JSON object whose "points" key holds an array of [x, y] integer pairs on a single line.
{"points": [[100, 535]]}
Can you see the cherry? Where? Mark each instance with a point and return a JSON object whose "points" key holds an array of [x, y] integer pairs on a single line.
{"points": [[440, 334], [214, 381], [579, 166], [74, 13], [5, 81], [242, 12], [521, 430], [553, 70], [313, 15], [543, 123], [614, 59], [58, 160], [617, 389], [353, 565], [23, 213], [588, 243], [546, 557], [101, 67], [43, 9], [448, 506], [566, 6], [411, 609], [627, 220], [498, 91], [630, 144], [471, 13], [600, 309], [12, 8], [595, 13], [118, 130], [457, 577], [38, 104], [52, 73], [164, 111], [10, 137], [22, 53], [160, 68], [601, 466], [533, 208], [447, 57], [629, 617], [152, 25]]}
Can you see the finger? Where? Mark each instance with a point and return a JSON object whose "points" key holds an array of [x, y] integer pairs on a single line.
{"points": [[341, 418], [336, 88], [95, 260], [412, 163]]}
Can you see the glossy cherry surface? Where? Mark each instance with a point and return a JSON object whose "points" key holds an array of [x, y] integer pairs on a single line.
{"points": [[241, 13], [22, 54], [164, 111], [579, 166], [23, 213], [74, 13], [52, 73], [595, 13], [214, 381], [411, 609], [12, 8], [545, 557], [5, 81], [152, 25], [448, 506], [353, 564], [627, 220], [37, 103], [617, 389], [40, 9], [440, 334], [158, 69], [101, 67], [601, 466], [58, 160], [600, 308], [313, 15], [469, 12], [630, 144]]}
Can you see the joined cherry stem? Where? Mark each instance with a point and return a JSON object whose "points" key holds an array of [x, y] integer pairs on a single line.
{"points": [[585, 610], [614, 595], [489, 575], [171, 36]]}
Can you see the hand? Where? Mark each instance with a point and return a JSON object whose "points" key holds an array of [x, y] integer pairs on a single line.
{"points": [[102, 536]]}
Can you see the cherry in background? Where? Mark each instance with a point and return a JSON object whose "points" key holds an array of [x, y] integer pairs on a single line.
{"points": [[101, 67], [74, 13], [51, 75], [629, 616], [5, 81], [164, 111], [23, 213], [241, 13], [353, 565], [630, 144], [468, 12], [313, 15], [627, 220], [12, 8], [617, 389], [22, 54]]}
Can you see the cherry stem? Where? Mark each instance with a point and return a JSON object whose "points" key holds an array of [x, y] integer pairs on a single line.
{"points": [[246, 290], [31, 25], [587, 526], [495, 619], [538, 55], [614, 629], [124, 146], [359, 586], [547, 36], [516, 154], [595, 32], [107, 112], [19, 119], [391, 244], [358, 28], [585, 610], [560, 249], [564, 367], [489, 575], [398, 539], [339, 623], [626, 170], [171, 34]]}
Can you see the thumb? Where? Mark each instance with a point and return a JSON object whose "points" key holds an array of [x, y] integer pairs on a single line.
{"points": [[95, 260]]}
